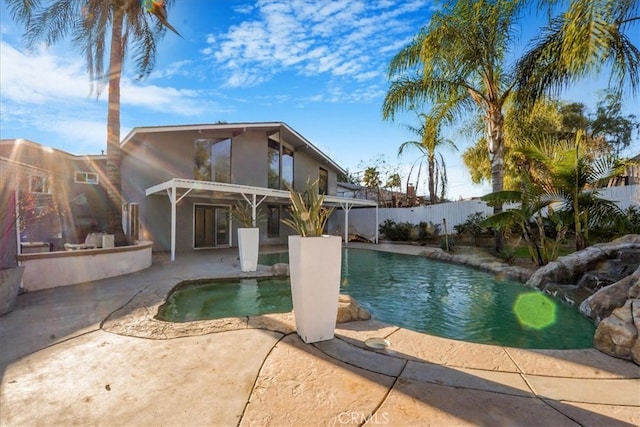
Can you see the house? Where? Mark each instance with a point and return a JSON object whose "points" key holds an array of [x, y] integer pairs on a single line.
{"points": [[61, 196], [181, 182]]}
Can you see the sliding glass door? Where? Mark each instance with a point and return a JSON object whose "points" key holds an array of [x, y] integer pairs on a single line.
{"points": [[211, 226]]}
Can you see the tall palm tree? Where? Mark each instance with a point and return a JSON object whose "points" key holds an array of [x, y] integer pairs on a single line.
{"points": [[89, 23], [458, 63], [589, 35], [430, 140]]}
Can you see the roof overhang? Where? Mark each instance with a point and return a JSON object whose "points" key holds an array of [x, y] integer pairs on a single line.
{"points": [[287, 134]]}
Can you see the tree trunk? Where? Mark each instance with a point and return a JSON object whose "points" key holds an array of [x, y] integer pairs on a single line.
{"points": [[114, 154], [495, 140], [432, 189]]}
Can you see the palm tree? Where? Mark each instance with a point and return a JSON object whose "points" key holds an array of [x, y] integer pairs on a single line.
{"points": [[589, 35], [571, 174], [457, 63], [430, 140], [89, 22]]}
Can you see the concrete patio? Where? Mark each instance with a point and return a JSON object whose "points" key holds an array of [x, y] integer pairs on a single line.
{"points": [[93, 354]]}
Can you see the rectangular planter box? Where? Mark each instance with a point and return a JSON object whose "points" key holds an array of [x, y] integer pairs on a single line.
{"points": [[248, 245]]}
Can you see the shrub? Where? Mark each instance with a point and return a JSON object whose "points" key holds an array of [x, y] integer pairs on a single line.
{"points": [[472, 226], [396, 231]]}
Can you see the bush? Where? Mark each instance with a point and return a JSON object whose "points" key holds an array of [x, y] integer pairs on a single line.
{"points": [[405, 231], [472, 226], [447, 243], [396, 231]]}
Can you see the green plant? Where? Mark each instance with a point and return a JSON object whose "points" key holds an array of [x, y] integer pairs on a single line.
{"points": [[472, 226], [308, 216], [396, 231], [243, 213], [447, 243]]}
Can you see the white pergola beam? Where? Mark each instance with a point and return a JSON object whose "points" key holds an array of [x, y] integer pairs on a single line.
{"points": [[172, 186]]}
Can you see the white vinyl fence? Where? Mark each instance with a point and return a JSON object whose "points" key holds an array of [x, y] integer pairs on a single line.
{"points": [[362, 221]]}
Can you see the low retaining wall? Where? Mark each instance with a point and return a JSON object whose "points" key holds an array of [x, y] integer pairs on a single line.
{"points": [[52, 269]]}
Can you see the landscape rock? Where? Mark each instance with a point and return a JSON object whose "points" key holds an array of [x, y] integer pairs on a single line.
{"points": [[350, 310], [601, 304], [617, 335], [280, 269]]}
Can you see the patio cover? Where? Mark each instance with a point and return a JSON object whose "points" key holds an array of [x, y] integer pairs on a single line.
{"points": [[177, 189]]}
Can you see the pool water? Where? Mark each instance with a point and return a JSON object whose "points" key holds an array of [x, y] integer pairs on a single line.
{"points": [[412, 292], [217, 299]]}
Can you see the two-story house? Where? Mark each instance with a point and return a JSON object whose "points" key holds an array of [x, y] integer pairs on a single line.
{"points": [[61, 195], [181, 182]]}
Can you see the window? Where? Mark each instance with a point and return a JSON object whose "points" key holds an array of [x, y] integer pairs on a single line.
{"points": [[323, 181], [212, 160], [86, 177], [273, 221], [273, 154], [287, 168], [39, 184], [280, 160]]}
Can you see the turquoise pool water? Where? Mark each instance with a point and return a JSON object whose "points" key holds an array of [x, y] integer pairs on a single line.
{"points": [[412, 292]]}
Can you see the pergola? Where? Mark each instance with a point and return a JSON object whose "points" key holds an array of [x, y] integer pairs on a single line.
{"points": [[177, 189]]}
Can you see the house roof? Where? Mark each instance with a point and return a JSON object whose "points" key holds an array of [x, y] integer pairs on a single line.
{"points": [[288, 134], [36, 145]]}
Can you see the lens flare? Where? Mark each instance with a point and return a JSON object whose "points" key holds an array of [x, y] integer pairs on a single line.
{"points": [[535, 310]]}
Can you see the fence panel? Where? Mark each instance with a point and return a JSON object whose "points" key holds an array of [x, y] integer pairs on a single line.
{"points": [[362, 221]]}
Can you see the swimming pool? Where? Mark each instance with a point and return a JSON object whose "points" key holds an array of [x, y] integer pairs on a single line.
{"points": [[428, 296]]}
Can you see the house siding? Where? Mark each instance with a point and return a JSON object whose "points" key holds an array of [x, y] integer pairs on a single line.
{"points": [[155, 157]]}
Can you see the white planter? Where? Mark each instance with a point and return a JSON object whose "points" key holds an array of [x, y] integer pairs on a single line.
{"points": [[248, 244], [314, 268]]}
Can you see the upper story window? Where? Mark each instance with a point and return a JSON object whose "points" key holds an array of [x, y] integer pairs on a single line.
{"points": [[39, 184], [280, 160], [212, 160], [323, 181], [86, 177]]}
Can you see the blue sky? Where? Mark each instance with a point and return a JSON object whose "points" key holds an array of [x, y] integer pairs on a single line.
{"points": [[319, 66]]}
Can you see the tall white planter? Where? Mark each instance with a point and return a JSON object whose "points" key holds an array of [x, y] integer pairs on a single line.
{"points": [[248, 244], [314, 268]]}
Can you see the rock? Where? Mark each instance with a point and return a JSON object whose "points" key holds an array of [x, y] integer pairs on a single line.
{"points": [[280, 269], [601, 304], [634, 292], [350, 310], [617, 335], [569, 269]]}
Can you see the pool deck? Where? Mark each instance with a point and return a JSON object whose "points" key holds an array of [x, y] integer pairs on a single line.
{"points": [[92, 354]]}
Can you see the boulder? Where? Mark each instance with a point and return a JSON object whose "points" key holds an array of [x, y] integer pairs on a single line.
{"points": [[350, 310], [617, 335], [569, 269], [601, 304], [280, 269]]}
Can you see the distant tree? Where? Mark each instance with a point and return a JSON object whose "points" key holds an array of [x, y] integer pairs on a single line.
{"points": [[429, 133], [348, 178], [609, 124]]}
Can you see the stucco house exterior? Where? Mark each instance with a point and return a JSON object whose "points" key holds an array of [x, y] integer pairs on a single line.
{"points": [[181, 182], [62, 195]]}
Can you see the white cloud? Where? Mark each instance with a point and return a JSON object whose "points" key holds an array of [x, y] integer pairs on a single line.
{"points": [[40, 77], [348, 38]]}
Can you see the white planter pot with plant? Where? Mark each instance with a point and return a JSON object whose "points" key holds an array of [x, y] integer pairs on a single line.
{"points": [[248, 236], [315, 261]]}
